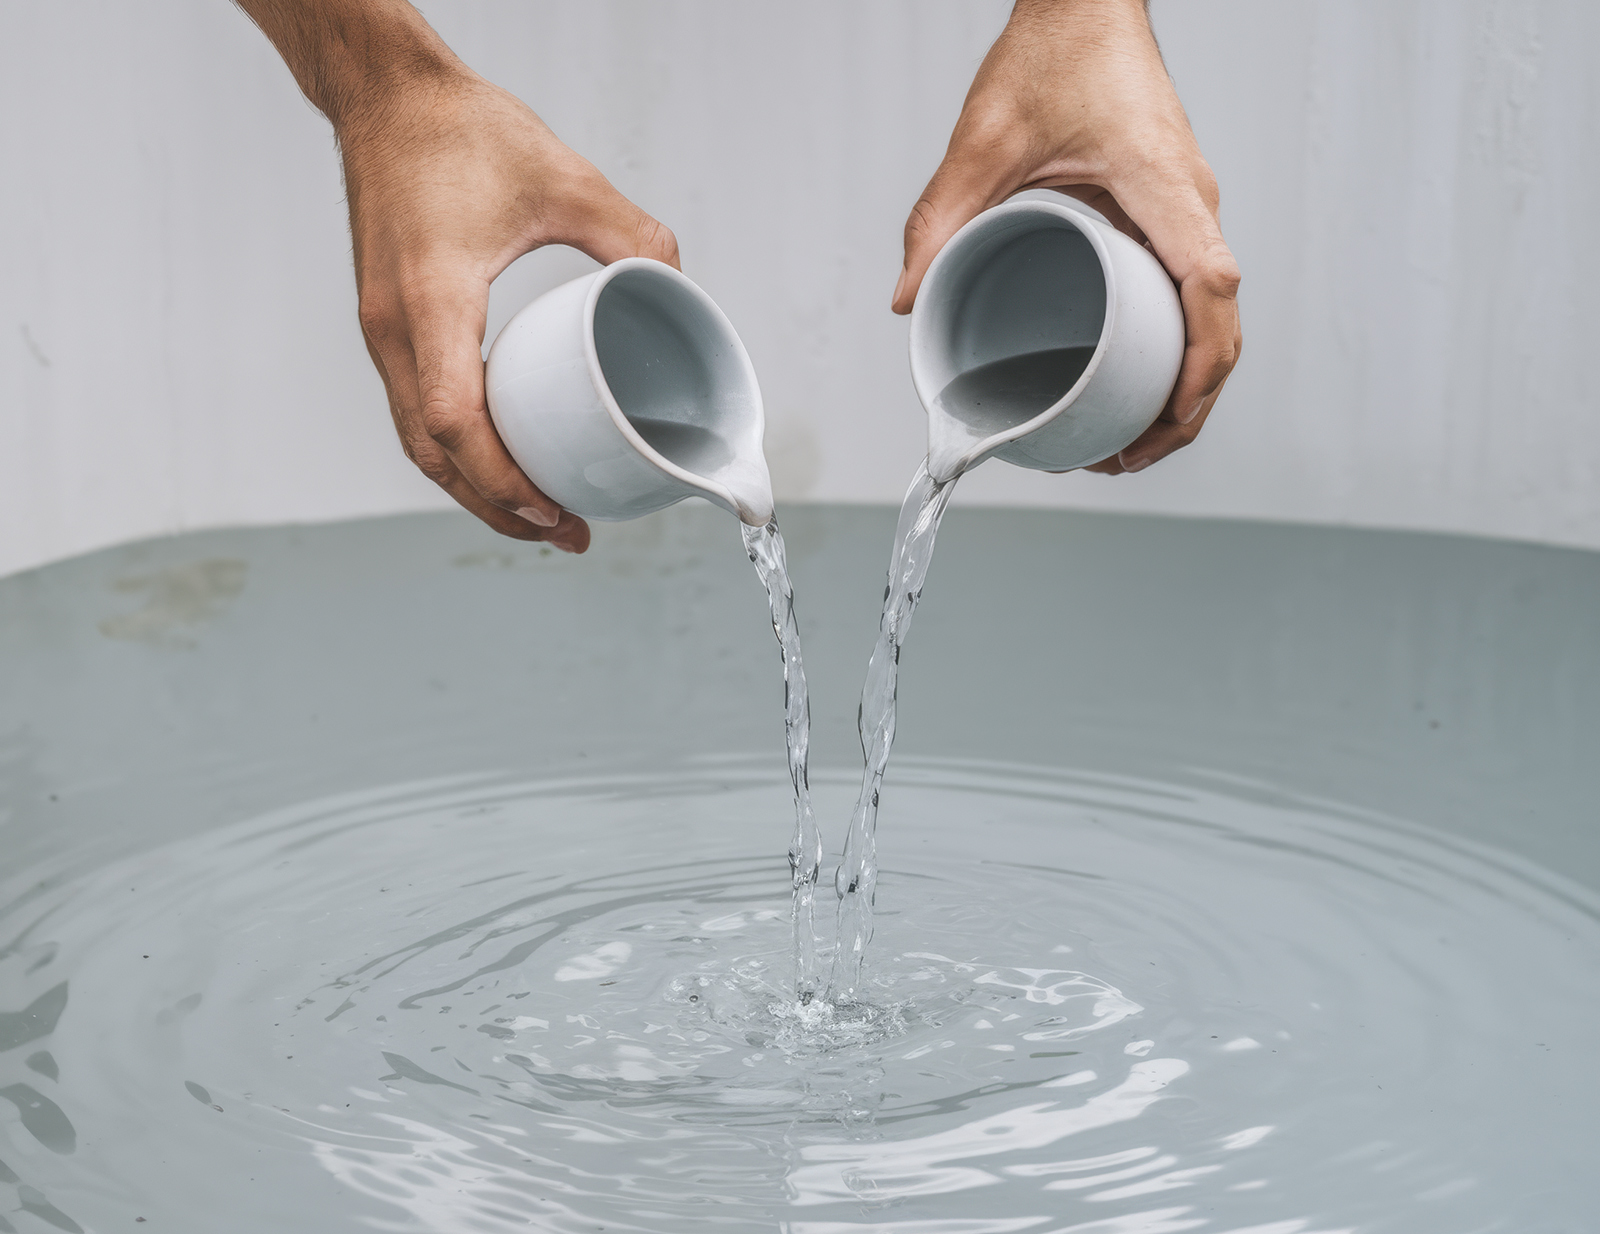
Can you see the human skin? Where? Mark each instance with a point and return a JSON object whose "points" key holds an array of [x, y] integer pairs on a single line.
{"points": [[1074, 96], [450, 179]]}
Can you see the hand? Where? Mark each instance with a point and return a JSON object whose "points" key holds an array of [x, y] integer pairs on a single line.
{"points": [[1074, 96], [450, 179]]}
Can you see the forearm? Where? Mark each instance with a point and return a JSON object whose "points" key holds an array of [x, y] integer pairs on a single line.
{"points": [[1087, 25], [1029, 10], [347, 55]]}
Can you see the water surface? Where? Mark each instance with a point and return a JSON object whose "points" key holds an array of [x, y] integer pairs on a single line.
{"points": [[995, 396], [1094, 1003], [1328, 767]]}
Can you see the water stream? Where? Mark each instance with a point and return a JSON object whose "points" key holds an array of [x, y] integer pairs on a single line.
{"points": [[986, 399], [857, 878], [855, 881], [766, 550]]}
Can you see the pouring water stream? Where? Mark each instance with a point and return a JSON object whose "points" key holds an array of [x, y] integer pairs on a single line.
{"points": [[857, 877], [765, 546], [1019, 387]]}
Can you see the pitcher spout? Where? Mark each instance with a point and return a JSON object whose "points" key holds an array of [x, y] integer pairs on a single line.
{"points": [[953, 446], [744, 487], [756, 511]]}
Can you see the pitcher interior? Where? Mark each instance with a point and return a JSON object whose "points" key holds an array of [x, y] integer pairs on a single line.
{"points": [[1026, 308], [674, 370]]}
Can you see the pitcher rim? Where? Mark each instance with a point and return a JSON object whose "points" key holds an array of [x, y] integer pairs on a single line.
{"points": [[608, 400], [1080, 222]]}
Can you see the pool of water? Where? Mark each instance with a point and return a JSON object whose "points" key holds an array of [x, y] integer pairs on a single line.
{"points": [[387, 877]]}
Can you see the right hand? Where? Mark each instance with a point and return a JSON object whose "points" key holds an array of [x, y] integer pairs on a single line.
{"points": [[450, 180], [1073, 96]]}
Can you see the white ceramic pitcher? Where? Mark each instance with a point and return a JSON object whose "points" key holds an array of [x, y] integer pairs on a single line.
{"points": [[626, 390], [1044, 337]]}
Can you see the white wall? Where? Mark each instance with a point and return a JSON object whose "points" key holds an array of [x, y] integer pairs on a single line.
{"points": [[1411, 187]]}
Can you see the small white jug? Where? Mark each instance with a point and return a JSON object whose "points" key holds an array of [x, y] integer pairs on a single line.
{"points": [[626, 390], [1044, 337]]}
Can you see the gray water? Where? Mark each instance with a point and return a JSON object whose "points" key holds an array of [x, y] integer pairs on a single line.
{"points": [[1004, 392], [451, 926], [1100, 1004], [692, 446], [765, 547]]}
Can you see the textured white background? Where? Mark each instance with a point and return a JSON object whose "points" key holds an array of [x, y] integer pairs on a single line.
{"points": [[1411, 186]]}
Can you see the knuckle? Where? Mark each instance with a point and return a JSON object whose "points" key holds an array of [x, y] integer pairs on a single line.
{"points": [[580, 190], [431, 462], [496, 489], [656, 240], [921, 222], [1219, 363], [1218, 273], [420, 295], [1158, 164], [445, 422], [992, 126], [432, 285], [583, 180], [378, 320]]}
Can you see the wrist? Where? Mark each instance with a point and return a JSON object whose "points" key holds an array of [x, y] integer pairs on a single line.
{"points": [[1060, 7], [356, 59], [1079, 12]]}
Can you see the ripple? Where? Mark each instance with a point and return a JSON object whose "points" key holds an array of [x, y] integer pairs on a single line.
{"points": [[1093, 1004]]}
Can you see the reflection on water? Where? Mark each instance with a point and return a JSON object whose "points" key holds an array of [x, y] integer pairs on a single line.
{"points": [[1093, 1005]]}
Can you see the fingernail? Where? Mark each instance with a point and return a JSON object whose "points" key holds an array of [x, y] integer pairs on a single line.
{"points": [[1193, 411], [899, 286], [1137, 463], [566, 539], [538, 517]]}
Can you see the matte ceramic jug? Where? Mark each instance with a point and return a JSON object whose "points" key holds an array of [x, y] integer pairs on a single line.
{"points": [[1044, 337], [626, 390]]}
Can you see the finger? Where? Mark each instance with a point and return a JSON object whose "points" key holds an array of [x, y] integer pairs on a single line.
{"points": [[446, 321], [434, 463], [601, 222], [1163, 438], [570, 534], [1174, 206], [384, 333], [960, 190], [1094, 196], [1212, 339]]}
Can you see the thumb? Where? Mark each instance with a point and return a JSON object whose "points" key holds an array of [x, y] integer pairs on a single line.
{"points": [[608, 227], [954, 197]]}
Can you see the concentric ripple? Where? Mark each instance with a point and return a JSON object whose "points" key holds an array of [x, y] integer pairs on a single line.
{"points": [[1092, 1005]]}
